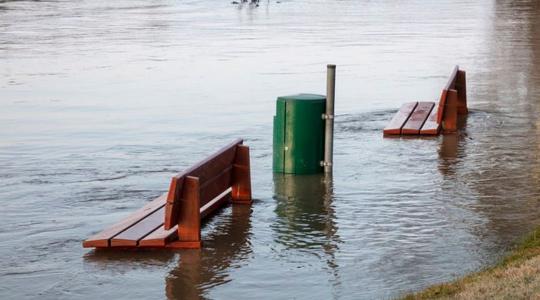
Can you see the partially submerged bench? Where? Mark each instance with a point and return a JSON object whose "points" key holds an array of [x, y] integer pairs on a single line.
{"points": [[429, 118], [173, 220]]}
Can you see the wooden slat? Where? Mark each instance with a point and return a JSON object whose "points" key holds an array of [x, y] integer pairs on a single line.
{"points": [[216, 186], [399, 119], [431, 127], [417, 118], [131, 236], [101, 239], [214, 164], [160, 237], [216, 203]]}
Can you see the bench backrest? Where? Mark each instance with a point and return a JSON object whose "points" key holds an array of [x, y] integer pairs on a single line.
{"points": [[215, 175], [450, 85]]}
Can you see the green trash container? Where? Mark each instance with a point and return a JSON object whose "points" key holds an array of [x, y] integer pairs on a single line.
{"points": [[299, 134]]}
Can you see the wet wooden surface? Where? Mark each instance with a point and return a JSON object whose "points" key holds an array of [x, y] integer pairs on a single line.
{"points": [[205, 170], [428, 118], [395, 125], [102, 238], [132, 235], [417, 118], [175, 217], [431, 127]]}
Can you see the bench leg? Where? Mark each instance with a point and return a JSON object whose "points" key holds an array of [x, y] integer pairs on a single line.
{"points": [[461, 87], [449, 122], [241, 177], [189, 219]]}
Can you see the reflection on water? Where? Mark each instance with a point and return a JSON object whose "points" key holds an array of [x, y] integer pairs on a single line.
{"points": [[449, 146], [306, 218], [102, 102], [501, 168], [120, 262], [226, 246]]}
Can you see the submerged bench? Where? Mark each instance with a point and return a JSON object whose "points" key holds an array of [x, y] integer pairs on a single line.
{"points": [[429, 118], [173, 220]]}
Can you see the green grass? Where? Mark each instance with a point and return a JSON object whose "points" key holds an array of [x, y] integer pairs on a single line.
{"points": [[526, 250]]}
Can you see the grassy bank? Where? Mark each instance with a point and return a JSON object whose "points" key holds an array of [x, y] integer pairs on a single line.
{"points": [[517, 276]]}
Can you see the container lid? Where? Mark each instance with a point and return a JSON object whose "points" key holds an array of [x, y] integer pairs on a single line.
{"points": [[302, 97]]}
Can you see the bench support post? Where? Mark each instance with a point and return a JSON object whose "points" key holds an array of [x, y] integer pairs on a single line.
{"points": [[449, 121], [189, 219], [241, 177], [172, 208], [461, 87]]}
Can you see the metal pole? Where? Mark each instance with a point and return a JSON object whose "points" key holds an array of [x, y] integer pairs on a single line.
{"points": [[329, 118]]}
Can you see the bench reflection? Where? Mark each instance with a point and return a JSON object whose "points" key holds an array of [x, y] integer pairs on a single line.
{"points": [[451, 149], [226, 245]]}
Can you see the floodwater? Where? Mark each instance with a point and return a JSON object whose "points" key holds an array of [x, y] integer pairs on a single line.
{"points": [[103, 101]]}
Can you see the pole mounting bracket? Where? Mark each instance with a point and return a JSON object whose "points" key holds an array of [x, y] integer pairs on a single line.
{"points": [[325, 163], [327, 116]]}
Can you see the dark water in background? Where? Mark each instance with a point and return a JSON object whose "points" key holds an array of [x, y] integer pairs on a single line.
{"points": [[103, 101]]}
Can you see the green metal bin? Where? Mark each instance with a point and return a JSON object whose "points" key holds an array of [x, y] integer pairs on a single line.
{"points": [[299, 134]]}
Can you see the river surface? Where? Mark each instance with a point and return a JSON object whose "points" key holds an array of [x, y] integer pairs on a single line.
{"points": [[103, 101]]}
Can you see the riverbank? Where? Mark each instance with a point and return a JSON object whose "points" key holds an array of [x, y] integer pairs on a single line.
{"points": [[517, 276]]}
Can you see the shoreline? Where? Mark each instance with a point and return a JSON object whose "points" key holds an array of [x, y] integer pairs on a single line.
{"points": [[515, 276]]}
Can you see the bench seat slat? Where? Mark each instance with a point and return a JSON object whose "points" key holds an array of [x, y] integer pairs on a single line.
{"points": [[417, 118], [399, 119], [102, 238], [160, 237], [431, 127], [131, 236]]}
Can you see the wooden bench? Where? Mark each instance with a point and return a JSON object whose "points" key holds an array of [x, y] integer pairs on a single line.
{"points": [[428, 118], [173, 220]]}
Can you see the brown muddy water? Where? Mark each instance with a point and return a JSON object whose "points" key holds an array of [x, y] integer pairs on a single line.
{"points": [[103, 101]]}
